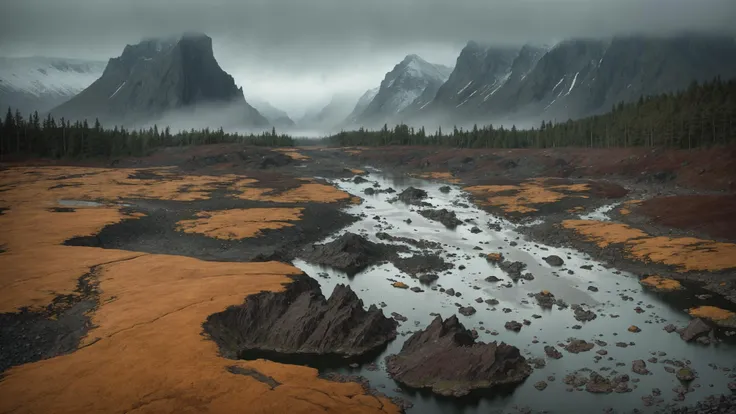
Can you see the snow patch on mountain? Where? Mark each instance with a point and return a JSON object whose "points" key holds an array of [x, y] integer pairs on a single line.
{"points": [[41, 75]]}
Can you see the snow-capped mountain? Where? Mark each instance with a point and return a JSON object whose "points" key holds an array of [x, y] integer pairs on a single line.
{"points": [[360, 107], [402, 86], [275, 116], [41, 83], [573, 79], [175, 82]]}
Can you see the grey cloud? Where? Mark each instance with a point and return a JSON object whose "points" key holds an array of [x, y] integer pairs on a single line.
{"points": [[331, 39]]}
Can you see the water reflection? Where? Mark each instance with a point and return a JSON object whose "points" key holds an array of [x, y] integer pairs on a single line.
{"points": [[599, 287]]}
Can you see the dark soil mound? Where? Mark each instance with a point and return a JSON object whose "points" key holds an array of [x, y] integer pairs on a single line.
{"points": [[417, 264], [349, 253], [445, 358], [300, 320]]}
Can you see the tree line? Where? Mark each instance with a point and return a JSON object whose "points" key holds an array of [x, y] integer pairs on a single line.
{"points": [[702, 115], [48, 137]]}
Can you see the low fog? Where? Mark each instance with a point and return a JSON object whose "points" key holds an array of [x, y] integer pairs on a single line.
{"points": [[297, 54]]}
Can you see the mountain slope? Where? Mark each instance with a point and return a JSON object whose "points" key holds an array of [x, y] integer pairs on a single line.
{"points": [[41, 83], [165, 78], [360, 107], [402, 86], [573, 79], [275, 116], [331, 117]]}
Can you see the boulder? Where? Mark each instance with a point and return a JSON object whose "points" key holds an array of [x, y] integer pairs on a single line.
{"points": [[446, 217], [412, 196], [554, 260], [445, 358], [695, 329]]}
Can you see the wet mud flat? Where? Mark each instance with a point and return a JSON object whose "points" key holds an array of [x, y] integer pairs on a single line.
{"points": [[620, 321], [185, 265], [134, 262]]}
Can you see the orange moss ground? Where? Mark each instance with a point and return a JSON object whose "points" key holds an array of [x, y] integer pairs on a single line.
{"points": [[146, 352], [441, 176], [661, 283], [293, 153], [527, 196], [92, 184], [684, 253], [240, 223], [720, 316]]}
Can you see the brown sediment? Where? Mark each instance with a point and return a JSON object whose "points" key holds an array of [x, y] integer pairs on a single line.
{"points": [[146, 351], [353, 151], [356, 171], [400, 285], [441, 176], [684, 253], [292, 153], [661, 283], [239, 223], [527, 196], [710, 215]]}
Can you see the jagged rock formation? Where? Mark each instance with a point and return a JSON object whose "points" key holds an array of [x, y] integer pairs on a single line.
{"points": [[445, 358], [300, 320], [42, 83], [349, 253], [163, 78]]}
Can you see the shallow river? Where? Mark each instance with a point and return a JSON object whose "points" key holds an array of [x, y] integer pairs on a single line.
{"points": [[554, 327]]}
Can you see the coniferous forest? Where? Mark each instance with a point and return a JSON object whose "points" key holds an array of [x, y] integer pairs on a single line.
{"points": [[702, 115], [61, 138]]}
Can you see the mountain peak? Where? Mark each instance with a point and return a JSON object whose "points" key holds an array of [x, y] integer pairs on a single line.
{"points": [[157, 76]]}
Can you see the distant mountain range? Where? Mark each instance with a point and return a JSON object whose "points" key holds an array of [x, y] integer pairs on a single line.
{"points": [[179, 82], [573, 79], [42, 83], [276, 117]]}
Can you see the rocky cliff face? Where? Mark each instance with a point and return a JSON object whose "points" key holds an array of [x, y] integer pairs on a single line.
{"points": [[445, 358], [156, 77], [573, 79], [300, 320]]}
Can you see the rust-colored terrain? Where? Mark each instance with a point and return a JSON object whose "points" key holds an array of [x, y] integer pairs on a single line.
{"points": [[140, 344]]}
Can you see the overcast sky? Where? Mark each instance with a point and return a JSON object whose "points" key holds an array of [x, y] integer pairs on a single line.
{"points": [[297, 53]]}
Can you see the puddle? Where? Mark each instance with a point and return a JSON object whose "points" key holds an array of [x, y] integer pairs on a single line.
{"points": [[601, 213], [79, 203], [555, 326]]}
